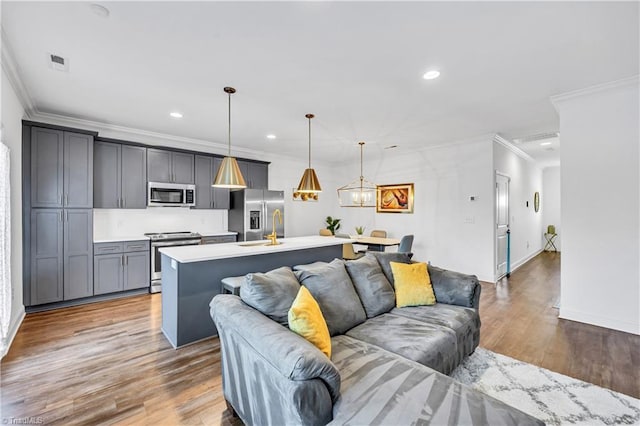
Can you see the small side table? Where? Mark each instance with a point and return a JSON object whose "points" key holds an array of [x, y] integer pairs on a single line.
{"points": [[550, 246], [231, 285]]}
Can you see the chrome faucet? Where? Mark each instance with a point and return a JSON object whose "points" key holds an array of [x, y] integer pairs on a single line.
{"points": [[272, 236]]}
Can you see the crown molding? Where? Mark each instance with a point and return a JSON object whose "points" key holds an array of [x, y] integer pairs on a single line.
{"points": [[10, 68], [147, 137], [556, 100], [511, 147]]}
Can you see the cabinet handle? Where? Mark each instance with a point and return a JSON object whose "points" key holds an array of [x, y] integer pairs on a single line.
{"points": [[126, 259], [61, 216], [66, 199], [61, 202], [124, 203], [122, 260], [66, 216]]}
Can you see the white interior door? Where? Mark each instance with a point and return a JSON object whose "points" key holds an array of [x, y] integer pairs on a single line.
{"points": [[502, 223]]}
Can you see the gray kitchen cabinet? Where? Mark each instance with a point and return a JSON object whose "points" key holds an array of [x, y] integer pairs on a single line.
{"points": [[47, 170], [219, 239], [46, 256], [120, 266], [61, 255], [78, 253], [107, 273], [136, 270], [61, 169], [78, 170], [169, 166], [206, 168], [256, 175], [120, 176]]}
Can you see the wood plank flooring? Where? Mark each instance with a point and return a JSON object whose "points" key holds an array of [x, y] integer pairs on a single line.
{"points": [[108, 363]]}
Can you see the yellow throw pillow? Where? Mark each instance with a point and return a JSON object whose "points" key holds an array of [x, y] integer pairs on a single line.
{"points": [[413, 284], [305, 319]]}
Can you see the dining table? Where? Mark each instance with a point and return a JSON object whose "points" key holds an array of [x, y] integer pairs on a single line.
{"points": [[375, 243]]}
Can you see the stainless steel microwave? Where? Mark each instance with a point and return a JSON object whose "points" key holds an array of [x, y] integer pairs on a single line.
{"points": [[171, 195]]}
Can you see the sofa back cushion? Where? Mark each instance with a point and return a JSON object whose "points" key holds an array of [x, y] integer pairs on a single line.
{"points": [[271, 293], [332, 288], [384, 259], [373, 287]]}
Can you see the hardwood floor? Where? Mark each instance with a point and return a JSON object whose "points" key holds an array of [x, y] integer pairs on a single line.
{"points": [[109, 362], [519, 320]]}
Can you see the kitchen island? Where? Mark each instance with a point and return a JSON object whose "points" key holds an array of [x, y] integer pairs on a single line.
{"points": [[191, 277]]}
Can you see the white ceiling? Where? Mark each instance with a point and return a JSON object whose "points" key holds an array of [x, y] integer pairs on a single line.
{"points": [[357, 66]]}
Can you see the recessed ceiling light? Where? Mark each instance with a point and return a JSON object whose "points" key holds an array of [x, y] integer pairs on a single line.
{"points": [[100, 10], [430, 75], [545, 143], [176, 114], [271, 136]]}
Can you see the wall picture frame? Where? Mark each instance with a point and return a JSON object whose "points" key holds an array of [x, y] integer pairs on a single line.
{"points": [[397, 198]]}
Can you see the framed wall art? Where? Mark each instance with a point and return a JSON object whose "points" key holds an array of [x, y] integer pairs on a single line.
{"points": [[394, 198]]}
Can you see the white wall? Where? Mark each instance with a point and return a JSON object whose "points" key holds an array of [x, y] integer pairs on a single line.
{"points": [[525, 223], [450, 231], [600, 215], [550, 203], [11, 115]]}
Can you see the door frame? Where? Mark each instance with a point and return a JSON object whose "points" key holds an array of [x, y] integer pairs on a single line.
{"points": [[497, 173]]}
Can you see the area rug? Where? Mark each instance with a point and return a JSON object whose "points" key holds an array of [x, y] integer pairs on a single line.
{"points": [[551, 397]]}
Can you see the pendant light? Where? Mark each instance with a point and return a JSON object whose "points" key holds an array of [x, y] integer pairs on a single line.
{"points": [[229, 174], [309, 184], [360, 192]]}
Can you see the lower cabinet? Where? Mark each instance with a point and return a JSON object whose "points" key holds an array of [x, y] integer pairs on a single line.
{"points": [[121, 266], [61, 255]]}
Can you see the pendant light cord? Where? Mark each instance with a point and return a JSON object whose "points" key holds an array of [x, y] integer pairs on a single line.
{"points": [[309, 142], [229, 135]]}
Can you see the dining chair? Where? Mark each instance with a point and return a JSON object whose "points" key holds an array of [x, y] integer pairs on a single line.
{"points": [[348, 253], [325, 233], [378, 233], [405, 245]]}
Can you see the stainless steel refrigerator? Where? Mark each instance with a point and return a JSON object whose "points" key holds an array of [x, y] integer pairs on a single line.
{"points": [[251, 213]]}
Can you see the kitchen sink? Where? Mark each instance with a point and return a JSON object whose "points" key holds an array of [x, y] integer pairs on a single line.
{"points": [[257, 243]]}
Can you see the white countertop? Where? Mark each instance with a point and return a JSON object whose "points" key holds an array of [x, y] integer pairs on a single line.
{"points": [[120, 238], [187, 254], [216, 234]]}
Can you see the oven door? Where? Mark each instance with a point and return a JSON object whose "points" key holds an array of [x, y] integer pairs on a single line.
{"points": [[166, 194], [156, 260]]}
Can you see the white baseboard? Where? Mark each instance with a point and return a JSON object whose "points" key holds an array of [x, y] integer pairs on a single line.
{"points": [[599, 320], [519, 263], [13, 330]]}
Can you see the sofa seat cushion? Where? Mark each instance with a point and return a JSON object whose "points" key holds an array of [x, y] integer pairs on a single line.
{"points": [[432, 345], [379, 387], [465, 322]]}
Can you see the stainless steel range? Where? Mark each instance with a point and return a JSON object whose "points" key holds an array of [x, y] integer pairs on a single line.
{"points": [[167, 239]]}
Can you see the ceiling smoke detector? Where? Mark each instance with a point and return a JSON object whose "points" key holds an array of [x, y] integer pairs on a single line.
{"points": [[57, 62]]}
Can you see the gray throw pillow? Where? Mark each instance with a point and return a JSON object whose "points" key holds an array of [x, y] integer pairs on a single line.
{"points": [[373, 287], [271, 293], [384, 259], [332, 288]]}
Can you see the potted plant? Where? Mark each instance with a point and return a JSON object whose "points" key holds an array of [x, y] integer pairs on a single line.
{"points": [[360, 230], [332, 224]]}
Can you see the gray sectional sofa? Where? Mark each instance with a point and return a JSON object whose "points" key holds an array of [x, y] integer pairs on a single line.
{"points": [[388, 364]]}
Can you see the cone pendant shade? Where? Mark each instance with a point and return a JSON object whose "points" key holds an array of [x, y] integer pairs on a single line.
{"points": [[229, 175], [309, 182]]}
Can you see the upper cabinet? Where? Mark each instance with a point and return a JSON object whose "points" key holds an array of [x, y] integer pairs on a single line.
{"points": [[120, 176], [170, 166], [61, 169], [206, 196], [256, 175]]}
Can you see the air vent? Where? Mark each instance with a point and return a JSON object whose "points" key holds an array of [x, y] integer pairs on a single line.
{"points": [[57, 62], [538, 137]]}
